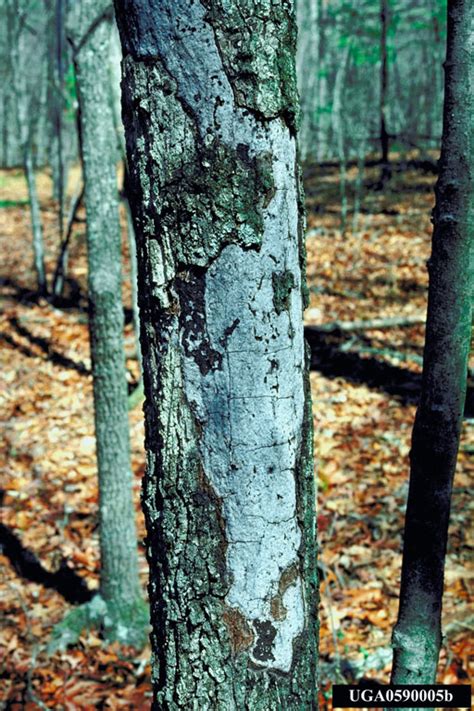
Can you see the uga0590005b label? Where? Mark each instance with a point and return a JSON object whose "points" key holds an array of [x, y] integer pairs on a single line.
{"points": [[444, 696]]}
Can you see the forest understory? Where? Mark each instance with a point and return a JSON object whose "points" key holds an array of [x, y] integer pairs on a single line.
{"points": [[364, 386]]}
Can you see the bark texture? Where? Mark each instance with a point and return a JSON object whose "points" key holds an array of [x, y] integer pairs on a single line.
{"points": [[89, 27], [209, 108], [417, 635]]}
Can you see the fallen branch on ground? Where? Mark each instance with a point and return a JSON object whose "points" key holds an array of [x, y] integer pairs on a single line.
{"points": [[370, 324]]}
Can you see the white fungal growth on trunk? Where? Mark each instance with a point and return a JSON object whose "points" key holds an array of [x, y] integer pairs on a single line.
{"points": [[215, 162], [251, 411]]}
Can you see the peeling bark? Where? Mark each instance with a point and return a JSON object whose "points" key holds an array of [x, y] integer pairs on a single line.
{"points": [[435, 441], [209, 109]]}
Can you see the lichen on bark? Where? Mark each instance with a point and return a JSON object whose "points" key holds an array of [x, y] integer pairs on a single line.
{"points": [[228, 495], [257, 43]]}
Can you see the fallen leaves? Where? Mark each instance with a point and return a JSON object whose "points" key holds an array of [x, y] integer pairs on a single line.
{"points": [[362, 440]]}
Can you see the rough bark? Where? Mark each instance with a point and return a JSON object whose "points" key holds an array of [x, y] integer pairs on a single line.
{"points": [[209, 109], [417, 635], [89, 28], [132, 245]]}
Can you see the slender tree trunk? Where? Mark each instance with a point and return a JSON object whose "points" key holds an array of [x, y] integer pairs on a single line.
{"points": [[323, 111], [119, 582], [25, 125], [60, 273], [36, 227], [229, 490], [338, 129], [308, 68], [417, 635], [60, 177], [359, 180], [386, 171]]}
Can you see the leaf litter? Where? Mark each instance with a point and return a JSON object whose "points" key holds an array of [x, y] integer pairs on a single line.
{"points": [[361, 438]]}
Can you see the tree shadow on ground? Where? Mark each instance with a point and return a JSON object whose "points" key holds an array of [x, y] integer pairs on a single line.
{"points": [[43, 344], [65, 581], [74, 300], [329, 359]]}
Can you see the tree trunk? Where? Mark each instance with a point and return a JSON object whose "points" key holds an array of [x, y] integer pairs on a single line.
{"points": [[60, 273], [60, 174], [24, 106], [386, 171], [132, 245], [308, 68], [229, 490], [89, 26], [36, 227], [417, 635], [338, 129], [323, 111]]}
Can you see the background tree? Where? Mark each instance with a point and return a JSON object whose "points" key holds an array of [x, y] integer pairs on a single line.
{"points": [[308, 73], [228, 493], [384, 135], [89, 26], [435, 439], [387, 39], [26, 100]]}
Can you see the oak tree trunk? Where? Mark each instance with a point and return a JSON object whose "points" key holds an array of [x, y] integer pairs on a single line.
{"points": [[209, 109], [417, 635]]}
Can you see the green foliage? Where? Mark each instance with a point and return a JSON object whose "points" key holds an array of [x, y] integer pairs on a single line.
{"points": [[13, 203], [70, 93], [360, 24]]}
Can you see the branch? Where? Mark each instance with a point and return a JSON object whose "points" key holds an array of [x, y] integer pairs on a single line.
{"points": [[59, 272], [376, 323]]}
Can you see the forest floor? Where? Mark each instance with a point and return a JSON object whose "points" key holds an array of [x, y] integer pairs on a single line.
{"points": [[364, 386]]}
